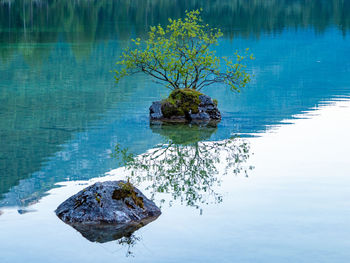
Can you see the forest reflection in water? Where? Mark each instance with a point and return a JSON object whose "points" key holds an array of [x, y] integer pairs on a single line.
{"points": [[186, 166], [105, 19], [93, 21]]}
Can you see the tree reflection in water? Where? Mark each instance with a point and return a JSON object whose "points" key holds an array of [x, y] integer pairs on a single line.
{"points": [[187, 166], [129, 242]]}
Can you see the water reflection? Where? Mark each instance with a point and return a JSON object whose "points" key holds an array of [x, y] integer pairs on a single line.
{"points": [[89, 21], [129, 242], [123, 235], [186, 166], [105, 233]]}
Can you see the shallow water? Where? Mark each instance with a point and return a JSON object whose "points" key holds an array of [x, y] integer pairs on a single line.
{"points": [[61, 117]]}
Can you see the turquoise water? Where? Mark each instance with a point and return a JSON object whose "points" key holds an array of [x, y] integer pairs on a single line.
{"points": [[61, 116]]}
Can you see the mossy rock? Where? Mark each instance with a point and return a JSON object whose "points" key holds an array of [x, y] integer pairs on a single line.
{"points": [[185, 105], [110, 202], [181, 102], [127, 190]]}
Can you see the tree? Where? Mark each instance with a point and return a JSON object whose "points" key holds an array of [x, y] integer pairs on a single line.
{"points": [[180, 56]]}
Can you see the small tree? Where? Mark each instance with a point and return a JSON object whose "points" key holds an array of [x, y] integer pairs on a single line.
{"points": [[179, 56]]}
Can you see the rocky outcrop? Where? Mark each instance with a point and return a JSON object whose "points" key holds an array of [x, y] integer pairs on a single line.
{"points": [[155, 110], [115, 203], [208, 110], [185, 105]]}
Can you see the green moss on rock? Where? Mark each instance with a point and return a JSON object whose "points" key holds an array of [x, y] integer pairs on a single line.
{"points": [[98, 198], [181, 102], [127, 190]]}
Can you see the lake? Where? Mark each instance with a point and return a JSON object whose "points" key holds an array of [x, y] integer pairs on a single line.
{"points": [[286, 199]]}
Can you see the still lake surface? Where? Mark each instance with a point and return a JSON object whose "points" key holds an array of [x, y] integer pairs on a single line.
{"points": [[61, 117]]}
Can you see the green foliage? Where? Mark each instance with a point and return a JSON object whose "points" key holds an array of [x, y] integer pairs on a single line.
{"points": [[180, 56]]}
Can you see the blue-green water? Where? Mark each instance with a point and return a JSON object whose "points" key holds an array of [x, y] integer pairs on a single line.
{"points": [[61, 116]]}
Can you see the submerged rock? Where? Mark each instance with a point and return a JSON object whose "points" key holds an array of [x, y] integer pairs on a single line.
{"points": [[185, 105], [115, 203], [25, 211]]}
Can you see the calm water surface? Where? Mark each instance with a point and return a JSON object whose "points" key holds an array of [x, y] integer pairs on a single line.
{"points": [[61, 117]]}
